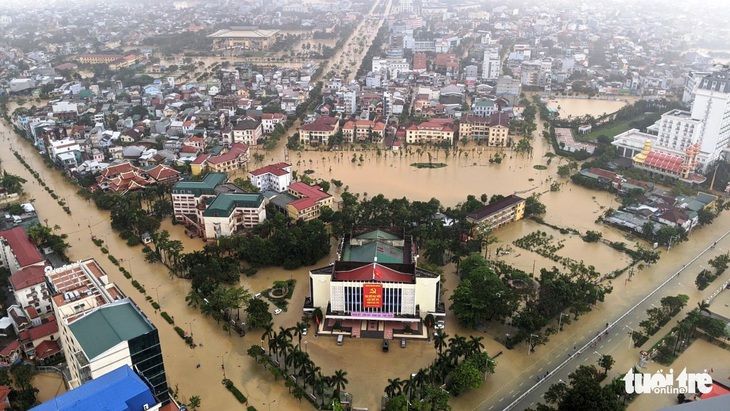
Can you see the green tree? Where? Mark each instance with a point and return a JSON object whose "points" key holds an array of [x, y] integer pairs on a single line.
{"points": [[606, 362], [584, 392], [465, 375], [257, 313], [533, 206], [194, 402]]}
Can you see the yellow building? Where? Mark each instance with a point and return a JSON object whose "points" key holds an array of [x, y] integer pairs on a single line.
{"points": [[505, 211], [310, 200]]}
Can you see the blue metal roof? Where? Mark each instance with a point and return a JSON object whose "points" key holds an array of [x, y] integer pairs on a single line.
{"points": [[118, 390]]}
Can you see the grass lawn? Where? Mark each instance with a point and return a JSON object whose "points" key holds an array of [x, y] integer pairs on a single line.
{"points": [[614, 128]]}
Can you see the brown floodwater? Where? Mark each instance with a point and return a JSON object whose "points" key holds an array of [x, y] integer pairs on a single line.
{"points": [[391, 175], [582, 106]]}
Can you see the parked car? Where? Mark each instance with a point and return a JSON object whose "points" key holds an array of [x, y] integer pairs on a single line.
{"points": [[277, 311], [440, 325], [402, 343], [304, 331], [385, 345]]}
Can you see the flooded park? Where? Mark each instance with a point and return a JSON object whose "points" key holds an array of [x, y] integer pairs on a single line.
{"points": [[388, 173]]}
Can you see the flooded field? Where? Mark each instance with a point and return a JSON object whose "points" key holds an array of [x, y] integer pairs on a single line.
{"points": [[49, 384], [581, 106]]}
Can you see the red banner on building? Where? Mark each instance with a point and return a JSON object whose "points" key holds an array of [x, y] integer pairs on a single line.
{"points": [[372, 295]]}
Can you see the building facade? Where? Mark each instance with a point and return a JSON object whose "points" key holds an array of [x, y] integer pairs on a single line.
{"points": [[101, 329], [502, 212], [375, 288], [319, 132], [309, 203], [274, 177], [429, 132]]}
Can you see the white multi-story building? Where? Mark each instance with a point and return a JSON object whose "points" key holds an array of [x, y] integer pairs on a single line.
{"points": [[274, 177], [491, 66], [17, 251], [392, 66], [29, 287], [270, 120], [229, 213], [247, 131], [101, 329], [711, 106]]}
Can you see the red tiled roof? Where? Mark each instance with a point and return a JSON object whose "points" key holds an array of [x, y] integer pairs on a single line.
{"points": [[186, 148], [374, 272], [602, 173], [112, 171], [321, 124], [28, 277], [235, 151], [663, 161], [9, 349], [271, 116], [162, 172], [201, 159], [303, 203], [25, 252], [306, 190], [47, 348], [43, 330], [275, 169], [32, 312]]}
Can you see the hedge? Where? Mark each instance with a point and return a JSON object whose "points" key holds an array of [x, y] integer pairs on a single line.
{"points": [[180, 332], [236, 393], [167, 318]]}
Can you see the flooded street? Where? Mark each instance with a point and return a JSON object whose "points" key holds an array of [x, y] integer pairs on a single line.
{"points": [[391, 175]]}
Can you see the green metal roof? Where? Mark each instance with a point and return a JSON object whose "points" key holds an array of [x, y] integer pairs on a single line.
{"points": [[377, 235], [206, 186], [108, 326], [385, 253], [225, 203]]}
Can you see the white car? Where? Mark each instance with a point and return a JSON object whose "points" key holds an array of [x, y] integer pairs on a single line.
{"points": [[439, 325], [304, 331], [277, 311]]}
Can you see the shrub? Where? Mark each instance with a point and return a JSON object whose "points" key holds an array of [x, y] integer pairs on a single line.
{"points": [[155, 305], [133, 241], [180, 332], [104, 250], [113, 260], [236, 393], [167, 318], [127, 275]]}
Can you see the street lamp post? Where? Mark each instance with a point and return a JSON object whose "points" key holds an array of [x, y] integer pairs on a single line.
{"points": [[272, 401], [631, 335], [223, 364], [529, 344], [191, 327], [560, 322], [129, 262], [157, 293]]}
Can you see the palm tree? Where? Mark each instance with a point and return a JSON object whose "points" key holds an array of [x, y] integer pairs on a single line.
{"points": [[439, 341], [394, 387], [274, 343], [298, 330], [268, 332], [420, 380], [474, 346], [339, 382], [409, 386]]}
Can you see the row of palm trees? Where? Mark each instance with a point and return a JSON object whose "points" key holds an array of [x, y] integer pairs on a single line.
{"points": [[286, 359], [451, 352]]}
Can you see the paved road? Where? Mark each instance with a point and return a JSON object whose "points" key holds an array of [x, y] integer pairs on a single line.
{"points": [[565, 359]]}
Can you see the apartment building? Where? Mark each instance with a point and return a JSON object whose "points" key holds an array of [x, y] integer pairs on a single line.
{"points": [[502, 212], [232, 212], [363, 130], [310, 200], [319, 131], [247, 131], [430, 132], [101, 329], [274, 177]]}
